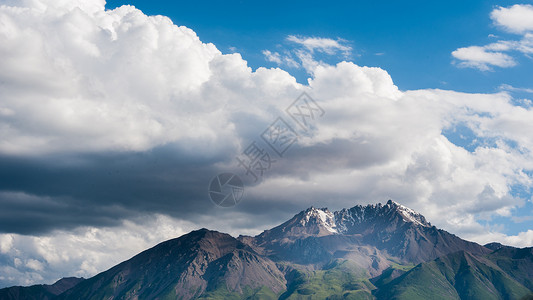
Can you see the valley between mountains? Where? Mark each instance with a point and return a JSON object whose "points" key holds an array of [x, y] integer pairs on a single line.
{"points": [[383, 251]]}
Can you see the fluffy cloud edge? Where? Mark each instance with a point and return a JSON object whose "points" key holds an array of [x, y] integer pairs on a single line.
{"points": [[516, 19]]}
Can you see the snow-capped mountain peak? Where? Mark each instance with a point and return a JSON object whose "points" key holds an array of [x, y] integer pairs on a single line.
{"points": [[356, 220], [322, 216], [408, 214]]}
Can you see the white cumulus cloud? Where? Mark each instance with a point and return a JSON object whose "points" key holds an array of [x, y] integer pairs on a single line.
{"points": [[518, 19], [483, 59]]}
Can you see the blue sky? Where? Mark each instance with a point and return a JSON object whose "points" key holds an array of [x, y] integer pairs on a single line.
{"points": [[113, 120], [413, 41]]}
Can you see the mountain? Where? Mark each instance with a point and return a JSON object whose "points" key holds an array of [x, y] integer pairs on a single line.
{"points": [[197, 264], [39, 292], [402, 232], [496, 246], [518, 263], [381, 251], [391, 228], [458, 275]]}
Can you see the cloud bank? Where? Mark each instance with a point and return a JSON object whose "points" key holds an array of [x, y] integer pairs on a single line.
{"points": [[113, 122]]}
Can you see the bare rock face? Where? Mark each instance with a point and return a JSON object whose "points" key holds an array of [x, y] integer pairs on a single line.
{"points": [[241, 268]]}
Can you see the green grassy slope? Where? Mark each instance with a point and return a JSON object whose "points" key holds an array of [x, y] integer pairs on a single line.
{"points": [[455, 276], [341, 279]]}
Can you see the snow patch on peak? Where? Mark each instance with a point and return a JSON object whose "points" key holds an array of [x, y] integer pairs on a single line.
{"points": [[328, 220], [359, 214], [323, 216], [412, 216], [341, 222]]}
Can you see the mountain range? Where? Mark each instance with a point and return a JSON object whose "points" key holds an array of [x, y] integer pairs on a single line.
{"points": [[366, 252]]}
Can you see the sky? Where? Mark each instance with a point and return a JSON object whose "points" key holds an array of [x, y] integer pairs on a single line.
{"points": [[115, 117]]}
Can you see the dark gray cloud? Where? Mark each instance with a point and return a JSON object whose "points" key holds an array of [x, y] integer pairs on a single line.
{"points": [[41, 194], [64, 191]]}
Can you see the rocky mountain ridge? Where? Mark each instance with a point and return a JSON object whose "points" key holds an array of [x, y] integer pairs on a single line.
{"points": [[366, 252]]}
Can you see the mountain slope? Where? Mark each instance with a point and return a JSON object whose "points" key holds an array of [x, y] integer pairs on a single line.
{"points": [[184, 268], [39, 292], [518, 263], [458, 275], [340, 279]]}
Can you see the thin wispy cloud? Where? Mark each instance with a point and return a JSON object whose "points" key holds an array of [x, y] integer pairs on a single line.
{"points": [[507, 87], [326, 45], [281, 59], [302, 52]]}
